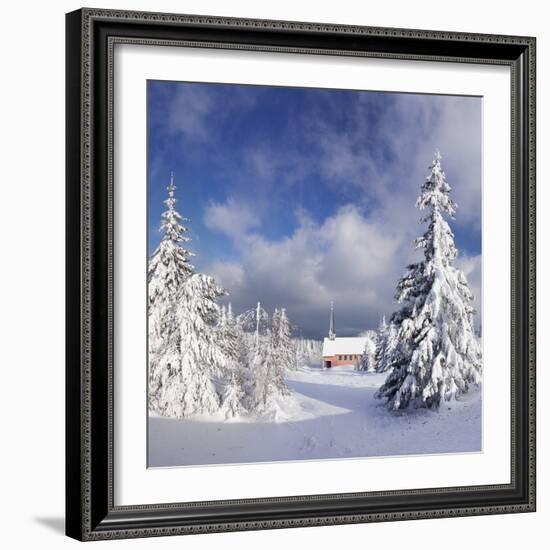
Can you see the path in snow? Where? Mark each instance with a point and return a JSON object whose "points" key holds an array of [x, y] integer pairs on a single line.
{"points": [[335, 415]]}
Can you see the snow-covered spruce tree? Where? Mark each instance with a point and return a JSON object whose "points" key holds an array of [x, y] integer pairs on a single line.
{"points": [[234, 398], [438, 355], [368, 359], [386, 350], [308, 352], [254, 320], [281, 341], [168, 269], [270, 383], [274, 329], [260, 376], [382, 337], [284, 346], [255, 326], [267, 366], [222, 317], [283, 354], [169, 266], [191, 389]]}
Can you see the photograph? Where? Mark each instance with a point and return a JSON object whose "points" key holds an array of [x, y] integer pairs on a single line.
{"points": [[300, 270], [314, 274]]}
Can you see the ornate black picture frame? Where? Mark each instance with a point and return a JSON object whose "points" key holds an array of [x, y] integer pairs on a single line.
{"points": [[90, 509]]}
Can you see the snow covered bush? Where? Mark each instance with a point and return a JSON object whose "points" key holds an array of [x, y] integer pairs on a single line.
{"points": [[438, 356]]}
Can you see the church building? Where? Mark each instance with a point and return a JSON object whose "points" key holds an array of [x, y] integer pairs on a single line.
{"points": [[339, 351]]}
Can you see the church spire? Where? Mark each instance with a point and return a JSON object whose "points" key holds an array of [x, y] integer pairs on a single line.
{"points": [[331, 333]]}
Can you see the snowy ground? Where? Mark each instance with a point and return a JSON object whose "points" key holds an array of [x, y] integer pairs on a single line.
{"points": [[334, 415]]}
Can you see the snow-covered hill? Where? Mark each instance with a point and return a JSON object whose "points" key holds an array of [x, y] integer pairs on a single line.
{"points": [[335, 416]]}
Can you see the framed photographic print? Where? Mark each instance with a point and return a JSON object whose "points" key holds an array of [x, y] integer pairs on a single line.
{"points": [[300, 274]]}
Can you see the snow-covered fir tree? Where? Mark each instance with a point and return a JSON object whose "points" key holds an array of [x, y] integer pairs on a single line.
{"points": [[169, 266], [255, 324], [254, 320], [438, 356], [308, 352], [382, 337], [267, 364], [191, 388], [388, 342], [234, 397], [271, 376], [368, 359], [274, 328], [260, 374], [282, 341], [168, 269]]}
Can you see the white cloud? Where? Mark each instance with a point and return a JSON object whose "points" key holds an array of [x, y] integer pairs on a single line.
{"points": [[190, 110], [346, 259], [414, 127], [232, 218], [230, 274]]}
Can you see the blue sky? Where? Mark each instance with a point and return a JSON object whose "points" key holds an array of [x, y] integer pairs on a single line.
{"points": [[299, 196]]}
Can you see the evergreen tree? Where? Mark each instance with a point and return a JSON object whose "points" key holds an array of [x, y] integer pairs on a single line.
{"points": [[386, 349], [272, 352], [438, 355], [275, 326], [255, 320], [383, 331], [191, 388], [308, 352], [368, 359], [261, 376], [168, 269], [234, 396], [284, 346], [277, 363], [169, 266], [235, 391]]}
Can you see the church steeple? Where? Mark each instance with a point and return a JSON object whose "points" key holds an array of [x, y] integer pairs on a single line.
{"points": [[331, 333]]}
